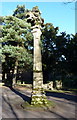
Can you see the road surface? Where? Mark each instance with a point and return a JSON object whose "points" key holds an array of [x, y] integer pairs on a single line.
{"points": [[12, 100]]}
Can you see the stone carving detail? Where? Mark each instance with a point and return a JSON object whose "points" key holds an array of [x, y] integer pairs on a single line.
{"points": [[34, 17]]}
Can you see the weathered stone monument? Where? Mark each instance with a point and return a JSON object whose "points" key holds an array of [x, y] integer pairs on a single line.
{"points": [[38, 95]]}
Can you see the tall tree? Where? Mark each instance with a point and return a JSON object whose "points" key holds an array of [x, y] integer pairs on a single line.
{"points": [[20, 12], [13, 39], [49, 35]]}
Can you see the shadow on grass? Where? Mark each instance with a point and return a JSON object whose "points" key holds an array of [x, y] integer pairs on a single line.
{"points": [[62, 95]]}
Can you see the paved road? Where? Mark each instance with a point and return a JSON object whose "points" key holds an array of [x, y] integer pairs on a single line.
{"points": [[12, 100]]}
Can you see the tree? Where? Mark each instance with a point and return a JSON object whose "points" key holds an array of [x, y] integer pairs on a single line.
{"points": [[49, 55], [13, 38], [59, 55], [20, 12]]}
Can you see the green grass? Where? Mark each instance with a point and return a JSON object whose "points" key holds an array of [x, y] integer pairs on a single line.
{"points": [[38, 107], [1, 84], [58, 91], [24, 85], [64, 91], [73, 90]]}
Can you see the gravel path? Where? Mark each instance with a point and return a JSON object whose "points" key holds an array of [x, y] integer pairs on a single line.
{"points": [[12, 100]]}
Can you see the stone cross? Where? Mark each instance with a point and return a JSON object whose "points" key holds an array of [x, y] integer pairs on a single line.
{"points": [[38, 96]]}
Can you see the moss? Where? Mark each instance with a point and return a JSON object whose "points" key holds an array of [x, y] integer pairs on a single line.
{"points": [[41, 100], [36, 89], [37, 107]]}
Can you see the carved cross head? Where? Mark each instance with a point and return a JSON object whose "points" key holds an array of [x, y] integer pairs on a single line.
{"points": [[34, 17]]}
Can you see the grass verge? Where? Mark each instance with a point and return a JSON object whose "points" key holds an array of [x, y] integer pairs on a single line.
{"points": [[69, 91]]}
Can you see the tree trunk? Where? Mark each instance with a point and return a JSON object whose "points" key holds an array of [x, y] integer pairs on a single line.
{"points": [[38, 96], [0, 72], [3, 76], [14, 74]]}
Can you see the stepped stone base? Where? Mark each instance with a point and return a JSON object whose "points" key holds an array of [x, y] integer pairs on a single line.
{"points": [[38, 99]]}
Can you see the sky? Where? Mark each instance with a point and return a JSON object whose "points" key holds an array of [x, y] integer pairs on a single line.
{"points": [[59, 14]]}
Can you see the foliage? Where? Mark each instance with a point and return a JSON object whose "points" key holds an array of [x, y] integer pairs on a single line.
{"points": [[13, 50], [13, 39], [20, 11], [59, 54]]}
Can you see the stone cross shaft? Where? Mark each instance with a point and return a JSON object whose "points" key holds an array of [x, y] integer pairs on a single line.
{"points": [[38, 96], [37, 66]]}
